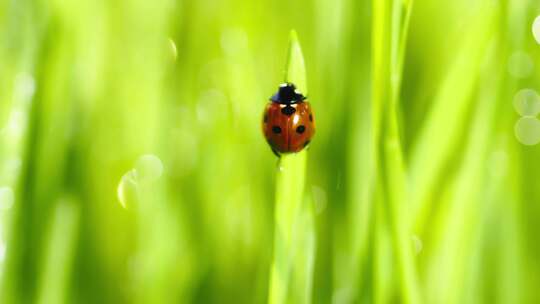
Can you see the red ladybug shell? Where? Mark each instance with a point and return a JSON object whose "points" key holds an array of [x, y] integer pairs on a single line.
{"points": [[288, 128]]}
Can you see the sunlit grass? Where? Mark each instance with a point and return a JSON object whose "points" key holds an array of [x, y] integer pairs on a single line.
{"points": [[133, 169], [292, 265]]}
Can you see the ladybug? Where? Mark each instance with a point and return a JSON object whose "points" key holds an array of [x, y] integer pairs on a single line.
{"points": [[288, 123]]}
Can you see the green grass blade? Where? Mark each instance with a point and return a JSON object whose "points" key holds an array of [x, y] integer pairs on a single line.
{"points": [[447, 115], [294, 231], [391, 19], [59, 254], [295, 70], [289, 192], [462, 210]]}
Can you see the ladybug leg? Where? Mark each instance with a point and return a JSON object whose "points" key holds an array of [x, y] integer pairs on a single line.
{"points": [[276, 152]]}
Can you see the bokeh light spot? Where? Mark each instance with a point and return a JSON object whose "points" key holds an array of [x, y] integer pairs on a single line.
{"points": [[527, 130], [16, 124], [25, 87], [7, 197], [536, 29], [148, 167], [527, 102], [127, 190]]}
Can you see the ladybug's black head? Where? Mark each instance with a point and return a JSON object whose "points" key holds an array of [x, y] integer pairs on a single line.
{"points": [[287, 94]]}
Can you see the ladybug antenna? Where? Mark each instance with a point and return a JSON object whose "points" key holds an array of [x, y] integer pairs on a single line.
{"points": [[287, 94]]}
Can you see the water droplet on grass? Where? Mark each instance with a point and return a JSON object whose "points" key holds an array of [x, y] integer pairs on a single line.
{"points": [[536, 29], [520, 65], [527, 130], [7, 197], [148, 168], [127, 190], [173, 49], [527, 102]]}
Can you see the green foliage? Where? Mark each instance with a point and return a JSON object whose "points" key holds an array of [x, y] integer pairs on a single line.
{"points": [[133, 168]]}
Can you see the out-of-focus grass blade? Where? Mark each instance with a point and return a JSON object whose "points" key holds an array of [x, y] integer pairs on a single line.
{"points": [[447, 116], [461, 210], [58, 254], [390, 25]]}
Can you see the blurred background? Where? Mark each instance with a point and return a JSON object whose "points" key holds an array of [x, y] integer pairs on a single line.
{"points": [[133, 167]]}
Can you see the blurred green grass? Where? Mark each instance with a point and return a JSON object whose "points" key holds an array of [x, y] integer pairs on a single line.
{"points": [[420, 189]]}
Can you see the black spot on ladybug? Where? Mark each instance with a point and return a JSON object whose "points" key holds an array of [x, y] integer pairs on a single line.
{"points": [[310, 117], [306, 143], [300, 129], [265, 117], [276, 129], [288, 110]]}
